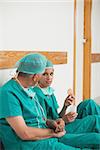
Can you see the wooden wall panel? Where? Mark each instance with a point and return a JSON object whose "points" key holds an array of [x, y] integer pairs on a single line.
{"points": [[9, 58], [95, 57], [74, 51], [87, 50]]}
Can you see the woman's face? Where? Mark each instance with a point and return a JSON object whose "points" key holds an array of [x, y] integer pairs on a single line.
{"points": [[46, 78]]}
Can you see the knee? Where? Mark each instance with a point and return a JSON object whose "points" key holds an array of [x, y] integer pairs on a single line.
{"points": [[89, 101]]}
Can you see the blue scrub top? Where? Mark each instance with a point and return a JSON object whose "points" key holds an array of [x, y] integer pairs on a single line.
{"points": [[14, 101], [48, 103]]}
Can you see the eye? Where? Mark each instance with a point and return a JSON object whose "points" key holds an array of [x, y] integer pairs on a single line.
{"points": [[52, 74], [47, 74], [44, 74]]}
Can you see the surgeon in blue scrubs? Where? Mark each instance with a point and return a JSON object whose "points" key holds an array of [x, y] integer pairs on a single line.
{"points": [[82, 130], [23, 123]]}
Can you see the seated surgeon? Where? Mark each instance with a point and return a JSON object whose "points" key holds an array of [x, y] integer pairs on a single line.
{"points": [[23, 124], [82, 130]]}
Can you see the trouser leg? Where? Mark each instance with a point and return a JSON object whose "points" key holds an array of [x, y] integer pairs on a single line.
{"points": [[88, 107], [86, 140], [85, 125], [53, 144]]}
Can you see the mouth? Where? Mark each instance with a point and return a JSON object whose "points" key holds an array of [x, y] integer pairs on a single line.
{"points": [[48, 82]]}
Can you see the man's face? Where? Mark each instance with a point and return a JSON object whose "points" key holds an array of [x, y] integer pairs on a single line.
{"points": [[46, 78]]}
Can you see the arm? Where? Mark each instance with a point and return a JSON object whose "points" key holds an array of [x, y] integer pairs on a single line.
{"points": [[63, 111], [26, 132], [29, 133], [68, 101]]}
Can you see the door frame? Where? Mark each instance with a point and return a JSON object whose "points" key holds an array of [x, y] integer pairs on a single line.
{"points": [[87, 50]]}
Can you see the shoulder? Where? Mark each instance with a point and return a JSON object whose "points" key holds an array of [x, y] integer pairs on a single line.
{"points": [[7, 86], [37, 90]]}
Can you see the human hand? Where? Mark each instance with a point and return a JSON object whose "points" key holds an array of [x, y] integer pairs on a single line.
{"points": [[57, 125], [70, 99], [59, 134], [70, 117], [52, 124], [60, 125]]}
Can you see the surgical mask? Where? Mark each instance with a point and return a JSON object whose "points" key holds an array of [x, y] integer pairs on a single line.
{"points": [[47, 91]]}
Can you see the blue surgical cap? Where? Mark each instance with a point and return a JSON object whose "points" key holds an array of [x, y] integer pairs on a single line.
{"points": [[33, 63], [49, 64]]}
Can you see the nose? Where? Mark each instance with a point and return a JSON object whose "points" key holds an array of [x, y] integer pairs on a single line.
{"points": [[49, 76]]}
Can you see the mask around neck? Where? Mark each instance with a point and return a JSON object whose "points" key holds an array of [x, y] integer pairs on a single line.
{"points": [[47, 91]]}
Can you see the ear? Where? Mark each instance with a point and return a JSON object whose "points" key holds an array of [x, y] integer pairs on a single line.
{"points": [[34, 77]]}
